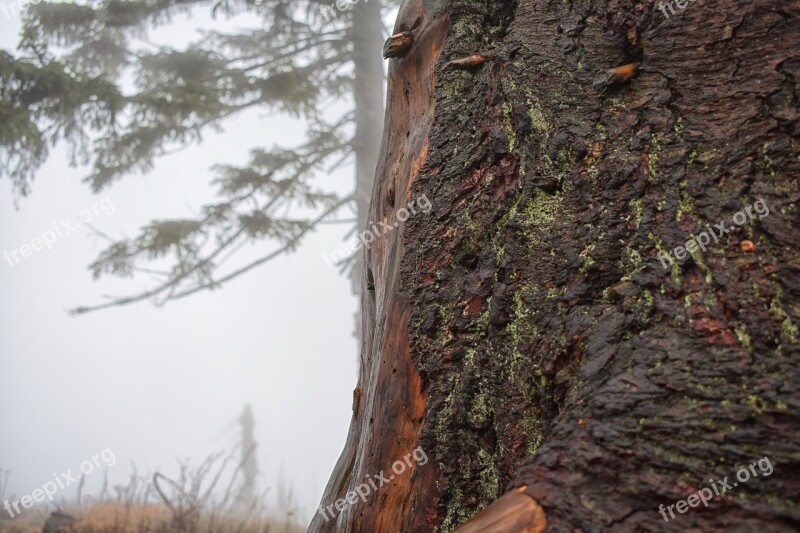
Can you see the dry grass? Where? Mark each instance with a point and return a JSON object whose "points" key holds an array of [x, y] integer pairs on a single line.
{"points": [[194, 502], [109, 517]]}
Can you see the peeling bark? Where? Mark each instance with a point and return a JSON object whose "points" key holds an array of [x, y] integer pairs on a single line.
{"points": [[390, 413], [525, 332]]}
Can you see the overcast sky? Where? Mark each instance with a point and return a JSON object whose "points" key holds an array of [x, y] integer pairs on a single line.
{"points": [[159, 384]]}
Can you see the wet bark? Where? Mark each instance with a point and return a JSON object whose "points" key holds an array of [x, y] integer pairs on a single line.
{"points": [[525, 332]]}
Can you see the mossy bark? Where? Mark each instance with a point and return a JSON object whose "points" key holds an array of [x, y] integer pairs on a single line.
{"points": [[525, 332]]}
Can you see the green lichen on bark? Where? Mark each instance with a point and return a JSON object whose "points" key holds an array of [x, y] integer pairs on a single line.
{"points": [[547, 197]]}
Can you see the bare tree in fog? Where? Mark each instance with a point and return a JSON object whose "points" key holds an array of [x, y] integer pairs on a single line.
{"points": [[65, 84], [248, 457]]}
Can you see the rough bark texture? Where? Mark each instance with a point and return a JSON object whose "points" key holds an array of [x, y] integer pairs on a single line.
{"points": [[524, 332]]}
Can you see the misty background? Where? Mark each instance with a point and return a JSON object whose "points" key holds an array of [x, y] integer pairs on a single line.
{"points": [[158, 384]]}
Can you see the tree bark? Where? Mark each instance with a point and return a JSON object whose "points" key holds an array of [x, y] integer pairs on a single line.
{"points": [[525, 332]]}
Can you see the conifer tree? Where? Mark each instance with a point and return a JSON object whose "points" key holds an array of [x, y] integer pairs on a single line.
{"points": [[66, 84]]}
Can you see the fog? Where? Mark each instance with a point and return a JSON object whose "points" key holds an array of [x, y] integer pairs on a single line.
{"points": [[160, 384]]}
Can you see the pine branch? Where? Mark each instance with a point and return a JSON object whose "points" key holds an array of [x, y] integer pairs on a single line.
{"points": [[146, 295]]}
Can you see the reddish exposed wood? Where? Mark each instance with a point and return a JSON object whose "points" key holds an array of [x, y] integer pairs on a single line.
{"points": [[615, 76], [467, 63], [514, 512], [388, 422], [398, 45]]}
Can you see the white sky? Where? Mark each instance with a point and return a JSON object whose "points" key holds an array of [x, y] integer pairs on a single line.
{"points": [[158, 384]]}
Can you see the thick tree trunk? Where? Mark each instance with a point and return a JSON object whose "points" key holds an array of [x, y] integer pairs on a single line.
{"points": [[525, 333]]}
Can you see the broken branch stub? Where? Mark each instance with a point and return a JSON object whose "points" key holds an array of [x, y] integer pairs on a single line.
{"points": [[514, 512]]}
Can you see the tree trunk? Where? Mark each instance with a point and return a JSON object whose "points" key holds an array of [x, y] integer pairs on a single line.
{"points": [[248, 460], [536, 328], [366, 32]]}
